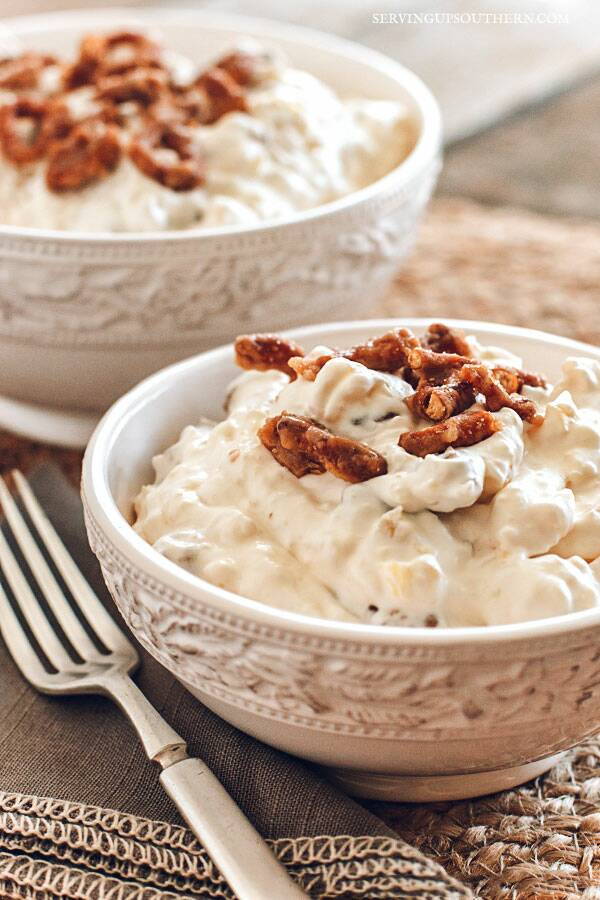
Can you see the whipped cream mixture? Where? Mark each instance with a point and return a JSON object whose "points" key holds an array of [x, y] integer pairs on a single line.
{"points": [[506, 530], [298, 146]]}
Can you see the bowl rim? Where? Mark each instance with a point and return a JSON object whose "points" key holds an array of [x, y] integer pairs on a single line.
{"points": [[120, 534], [425, 151]]}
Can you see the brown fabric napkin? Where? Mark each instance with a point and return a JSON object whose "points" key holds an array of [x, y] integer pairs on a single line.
{"points": [[82, 814]]}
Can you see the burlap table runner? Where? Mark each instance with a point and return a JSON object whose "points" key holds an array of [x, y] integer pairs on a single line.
{"points": [[109, 832]]}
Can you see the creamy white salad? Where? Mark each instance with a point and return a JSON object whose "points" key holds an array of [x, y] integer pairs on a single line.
{"points": [[295, 146], [504, 530]]}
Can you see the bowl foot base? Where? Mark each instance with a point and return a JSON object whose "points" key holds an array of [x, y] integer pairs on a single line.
{"points": [[426, 788], [60, 427]]}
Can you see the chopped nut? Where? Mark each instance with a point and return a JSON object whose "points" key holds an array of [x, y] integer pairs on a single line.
{"points": [[91, 151], [458, 431], [223, 92], [387, 353], [240, 65], [305, 447], [266, 351], [443, 339], [496, 396]]}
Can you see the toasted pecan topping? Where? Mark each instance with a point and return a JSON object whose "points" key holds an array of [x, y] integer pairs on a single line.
{"points": [[513, 380], [458, 431], [443, 339], [120, 52], [224, 94], [266, 351], [22, 73], [431, 364], [437, 402], [387, 353], [496, 396], [166, 153], [90, 152], [121, 69], [240, 65], [305, 447]]}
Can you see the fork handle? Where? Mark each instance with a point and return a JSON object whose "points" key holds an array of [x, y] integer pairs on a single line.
{"points": [[238, 850]]}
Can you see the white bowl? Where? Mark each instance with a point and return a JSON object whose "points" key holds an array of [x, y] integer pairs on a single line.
{"points": [[85, 316], [398, 713]]}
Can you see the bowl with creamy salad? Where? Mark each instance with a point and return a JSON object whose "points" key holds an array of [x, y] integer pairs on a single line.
{"points": [[168, 175], [374, 545]]}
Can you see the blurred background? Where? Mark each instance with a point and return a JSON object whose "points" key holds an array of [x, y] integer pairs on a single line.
{"points": [[518, 82]]}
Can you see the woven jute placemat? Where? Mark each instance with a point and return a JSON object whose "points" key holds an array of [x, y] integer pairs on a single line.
{"points": [[543, 839]]}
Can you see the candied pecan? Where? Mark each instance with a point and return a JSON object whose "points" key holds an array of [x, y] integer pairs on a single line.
{"points": [[309, 367], [305, 447], [240, 65], [496, 396], [386, 353], [22, 134], [223, 92], [266, 351], [513, 380], [90, 152], [437, 402], [22, 73], [143, 86], [430, 364], [166, 153], [296, 461], [443, 339], [458, 431]]}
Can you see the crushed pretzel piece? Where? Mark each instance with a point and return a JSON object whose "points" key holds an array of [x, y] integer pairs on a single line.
{"points": [[496, 396], [458, 431], [223, 92], [240, 65], [513, 380], [266, 351], [90, 152], [443, 339], [22, 135], [167, 154], [143, 86], [438, 402], [387, 353], [305, 447], [110, 54], [22, 73]]}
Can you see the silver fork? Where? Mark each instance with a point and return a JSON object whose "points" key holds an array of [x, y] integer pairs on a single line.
{"points": [[238, 850]]}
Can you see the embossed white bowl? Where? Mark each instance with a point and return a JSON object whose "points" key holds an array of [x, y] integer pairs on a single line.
{"points": [[84, 317], [398, 713]]}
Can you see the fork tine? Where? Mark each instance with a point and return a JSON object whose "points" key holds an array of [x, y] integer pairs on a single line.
{"points": [[32, 611], [89, 604], [52, 592], [19, 645]]}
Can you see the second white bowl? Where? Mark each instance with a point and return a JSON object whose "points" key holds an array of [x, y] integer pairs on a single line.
{"points": [[84, 316]]}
